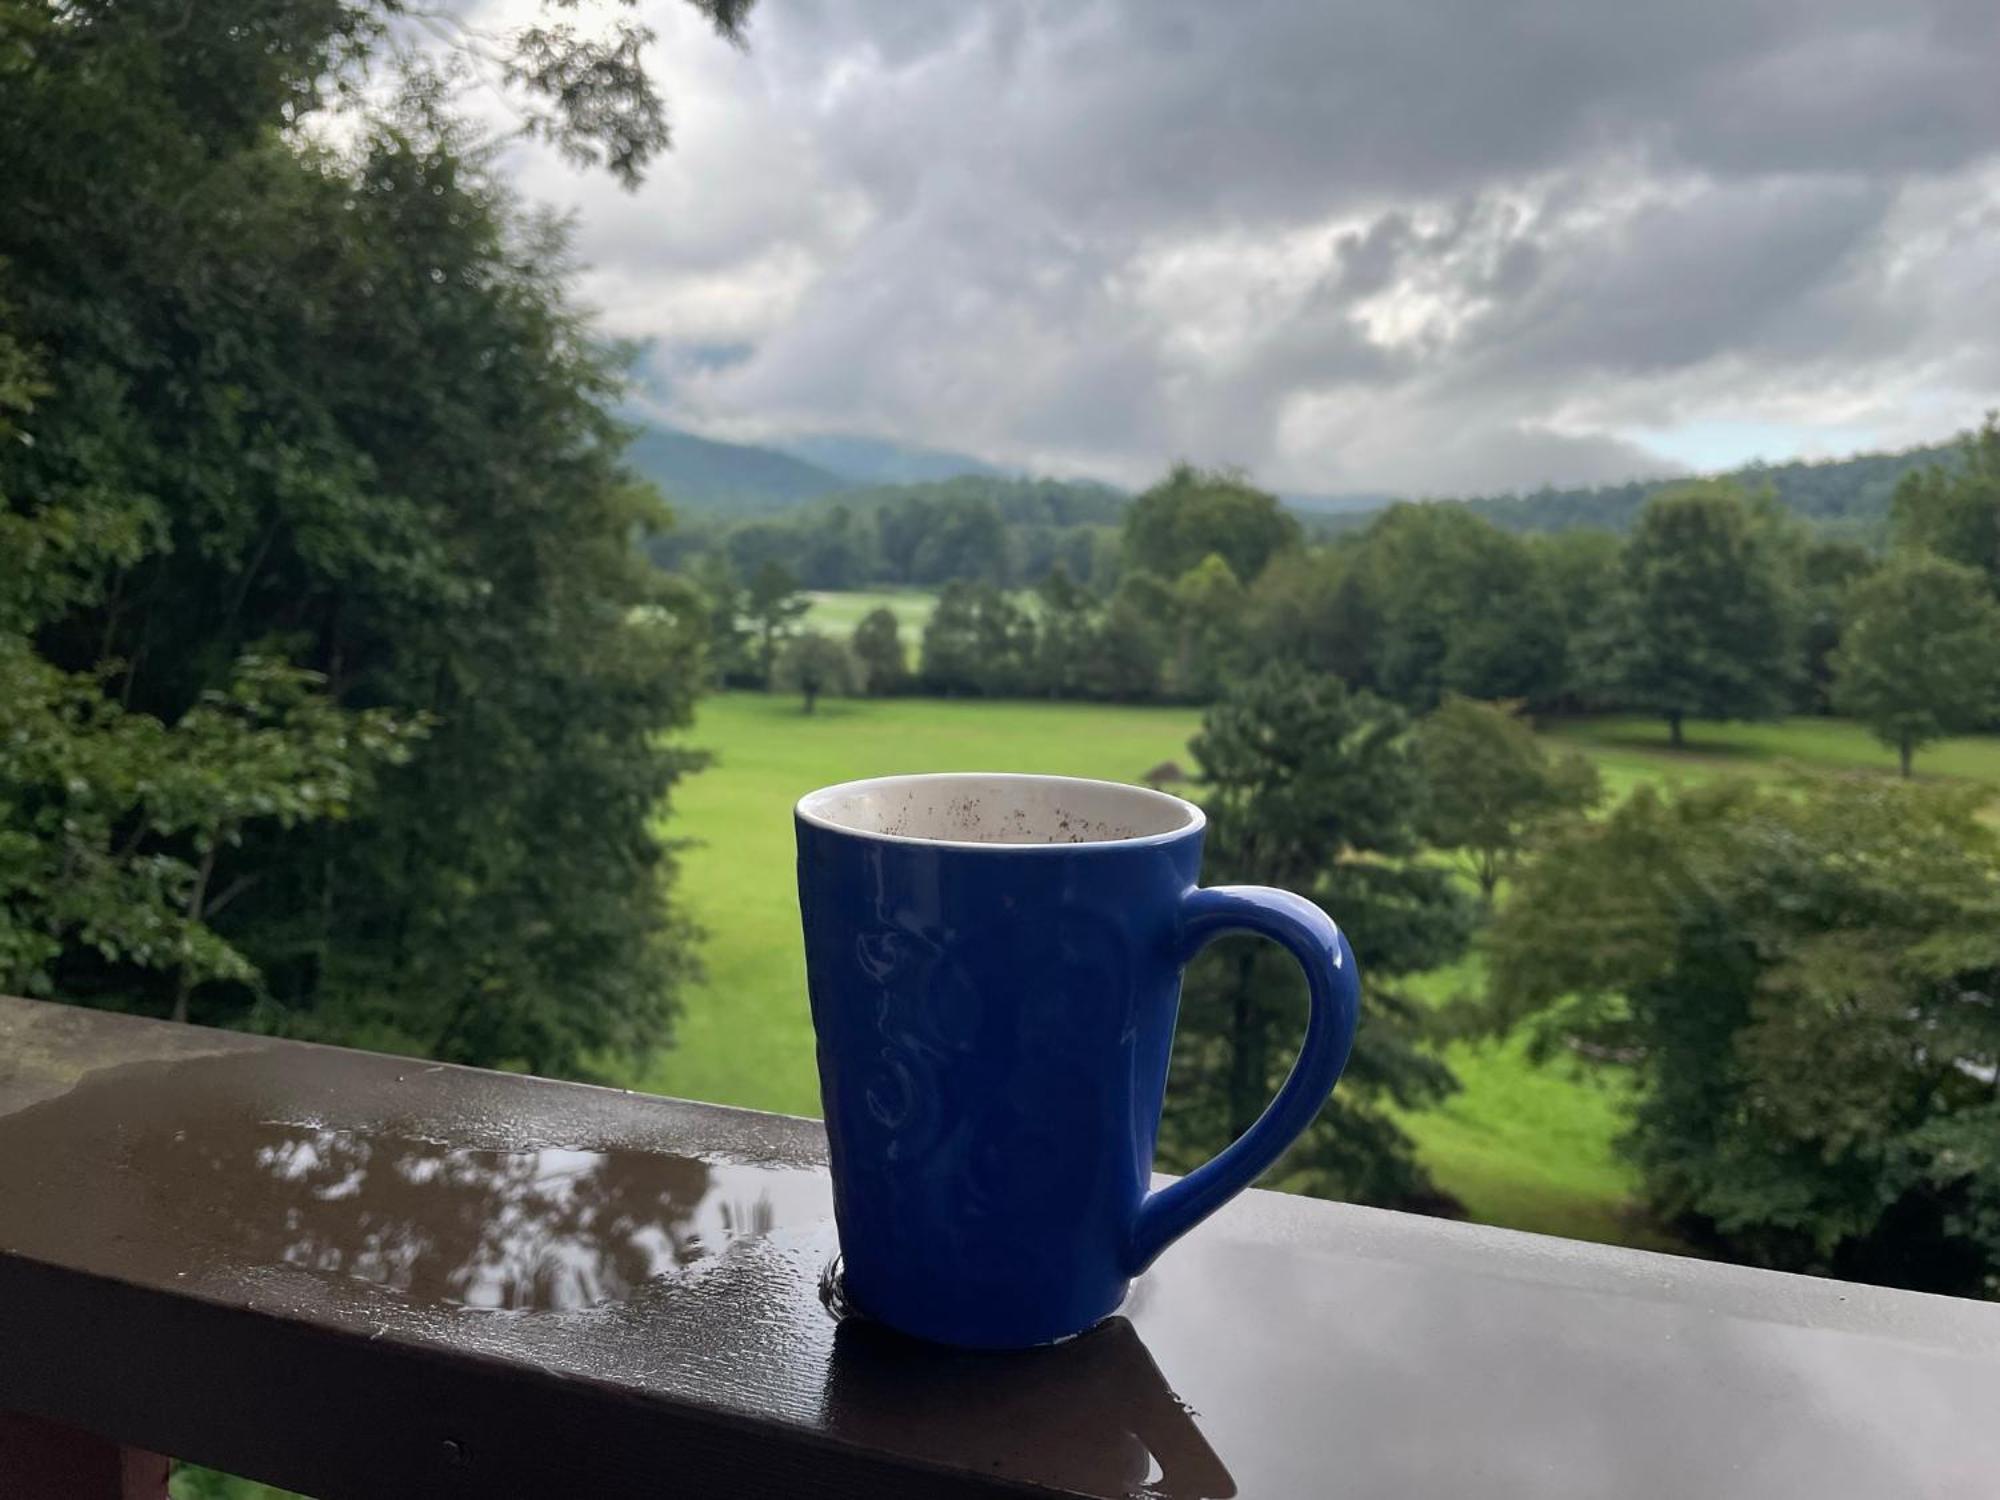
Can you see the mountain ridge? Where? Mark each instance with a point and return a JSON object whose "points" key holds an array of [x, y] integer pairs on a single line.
{"points": [[723, 482]]}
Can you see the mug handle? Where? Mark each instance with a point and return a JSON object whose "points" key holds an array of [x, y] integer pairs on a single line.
{"points": [[1206, 914]]}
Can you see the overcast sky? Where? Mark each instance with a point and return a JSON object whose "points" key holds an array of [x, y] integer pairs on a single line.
{"points": [[1430, 246]]}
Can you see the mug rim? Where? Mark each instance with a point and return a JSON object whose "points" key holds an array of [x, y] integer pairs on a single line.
{"points": [[1195, 819]]}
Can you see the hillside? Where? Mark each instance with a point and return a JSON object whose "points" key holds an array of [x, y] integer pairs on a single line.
{"points": [[1844, 496], [746, 480], [734, 479], [728, 482], [874, 461]]}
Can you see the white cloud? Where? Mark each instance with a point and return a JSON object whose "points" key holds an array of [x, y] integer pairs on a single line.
{"points": [[1444, 246]]}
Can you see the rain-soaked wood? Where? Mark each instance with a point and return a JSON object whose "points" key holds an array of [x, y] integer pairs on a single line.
{"points": [[48, 1461], [360, 1276]]}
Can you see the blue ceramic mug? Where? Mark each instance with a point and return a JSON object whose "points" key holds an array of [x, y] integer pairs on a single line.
{"points": [[994, 964]]}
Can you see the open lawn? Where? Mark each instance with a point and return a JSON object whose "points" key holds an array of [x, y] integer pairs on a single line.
{"points": [[838, 614], [1629, 750], [1522, 1146]]}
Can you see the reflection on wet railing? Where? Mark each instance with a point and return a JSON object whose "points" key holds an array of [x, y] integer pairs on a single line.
{"points": [[551, 1227]]}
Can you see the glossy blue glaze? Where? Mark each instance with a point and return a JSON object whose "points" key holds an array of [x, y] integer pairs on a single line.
{"points": [[994, 1024]]}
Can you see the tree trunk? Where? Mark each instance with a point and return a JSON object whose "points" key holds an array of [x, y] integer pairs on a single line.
{"points": [[812, 697], [184, 984], [1903, 753], [1674, 736]]}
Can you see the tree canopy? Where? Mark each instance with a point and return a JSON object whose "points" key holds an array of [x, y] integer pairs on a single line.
{"points": [[1804, 977], [811, 664], [1953, 510], [1490, 782], [1195, 512], [1704, 620], [1920, 658], [1312, 788], [327, 585]]}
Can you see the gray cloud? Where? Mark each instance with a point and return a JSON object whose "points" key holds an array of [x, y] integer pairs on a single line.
{"points": [[1438, 246]]}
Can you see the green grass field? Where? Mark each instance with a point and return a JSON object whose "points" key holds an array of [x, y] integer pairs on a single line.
{"points": [[838, 614], [1525, 1146], [1628, 750]]}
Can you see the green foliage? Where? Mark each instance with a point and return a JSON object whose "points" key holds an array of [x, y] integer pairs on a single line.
{"points": [[323, 455], [1067, 635], [1704, 621], [1315, 607], [1490, 784], [878, 653], [1208, 603], [978, 640], [1826, 572], [975, 528], [1804, 975], [731, 661], [1921, 656], [1313, 788], [811, 664], [1195, 512], [1124, 656], [113, 825], [1459, 606], [1954, 510], [774, 605], [1847, 498], [1581, 570]]}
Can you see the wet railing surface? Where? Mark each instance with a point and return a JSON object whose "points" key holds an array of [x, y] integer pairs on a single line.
{"points": [[361, 1276]]}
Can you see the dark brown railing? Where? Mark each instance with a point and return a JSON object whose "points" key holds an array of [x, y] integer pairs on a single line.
{"points": [[362, 1276]]}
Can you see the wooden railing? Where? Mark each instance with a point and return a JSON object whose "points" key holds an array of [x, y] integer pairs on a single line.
{"points": [[362, 1276]]}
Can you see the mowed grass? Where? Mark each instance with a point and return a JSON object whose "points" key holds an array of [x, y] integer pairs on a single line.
{"points": [[838, 614], [1521, 1145], [1525, 1144], [1628, 750]]}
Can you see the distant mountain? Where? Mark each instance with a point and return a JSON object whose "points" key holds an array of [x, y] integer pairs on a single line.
{"points": [[1338, 505], [875, 461], [736, 479], [1842, 496]]}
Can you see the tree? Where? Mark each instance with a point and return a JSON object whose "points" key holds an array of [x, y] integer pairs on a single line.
{"points": [[1193, 512], [978, 640], [319, 435], [1490, 783], [1704, 621], [878, 653], [1803, 976], [1581, 570], [774, 605], [1460, 606], [1921, 654], [729, 660], [1065, 634], [1208, 615], [1827, 574], [1312, 787], [1125, 655], [811, 664], [1954, 511], [1314, 607]]}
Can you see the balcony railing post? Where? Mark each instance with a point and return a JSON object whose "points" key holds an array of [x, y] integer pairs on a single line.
{"points": [[47, 1461]]}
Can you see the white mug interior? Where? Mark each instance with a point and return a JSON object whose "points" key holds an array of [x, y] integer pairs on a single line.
{"points": [[991, 807]]}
